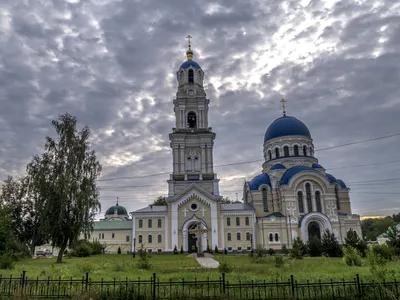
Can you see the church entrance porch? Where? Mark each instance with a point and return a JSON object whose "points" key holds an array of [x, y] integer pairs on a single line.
{"points": [[194, 232], [314, 230], [192, 239], [314, 225]]}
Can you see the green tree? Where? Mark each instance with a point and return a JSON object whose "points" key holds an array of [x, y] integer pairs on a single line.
{"points": [[393, 236], [64, 180], [161, 200], [352, 240], [373, 227], [330, 245], [225, 200], [314, 246], [298, 249]]}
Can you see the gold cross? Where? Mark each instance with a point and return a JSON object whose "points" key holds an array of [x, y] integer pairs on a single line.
{"points": [[189, 37], [283, 106]]}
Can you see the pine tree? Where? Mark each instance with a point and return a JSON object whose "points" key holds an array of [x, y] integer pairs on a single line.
{"points": [[314, 246], [352, 240], [298, 249], [330, 245]]}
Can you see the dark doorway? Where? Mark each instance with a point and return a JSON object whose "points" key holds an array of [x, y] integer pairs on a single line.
{"points": [[192, 239], [314, 231]]}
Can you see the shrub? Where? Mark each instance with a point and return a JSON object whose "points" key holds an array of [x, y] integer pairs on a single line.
{"points": [[82, 249], [224, 267], [144, 259], [298, 249], [97, 247], [278, 260], [119, 267], [216, 251], [284, 250], [352, 240], [7, 261], [352, 256], [260, 252], [119, 250], [314, 247], [175, 250], [330, 245], [86, 267], [383, 251], [271, 251]]}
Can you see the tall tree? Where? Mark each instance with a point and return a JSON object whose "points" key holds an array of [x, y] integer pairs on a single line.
{"points": [[393, 236], [64, 180], [161, 200], [330, 245]]}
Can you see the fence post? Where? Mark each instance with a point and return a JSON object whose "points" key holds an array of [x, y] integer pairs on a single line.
{"points": [[154, 286], [23, 278], [223, 283], [292, 284], [87, 280], [358, 285]]}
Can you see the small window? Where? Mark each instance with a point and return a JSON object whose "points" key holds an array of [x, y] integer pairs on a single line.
{"points": [[247, 221], [238, 236], [271, 237], [286, 150], [159, 238], [140, 223], [192, 120], [127, 238], [337, 197], [159, 251], [150, 239], [191, 76], [265, 199], [276, 152], [102, 236], [229, 248], [276, 237], [304, 150], [229, 236], [149, 251], [248, 248], [318, 201], [228, 221], [269, 155], [112, 235], [159, 223], [237, 221], [296, 150], [248, 236], [300, 202], [239, 248], [308, 196], [140, 239]]}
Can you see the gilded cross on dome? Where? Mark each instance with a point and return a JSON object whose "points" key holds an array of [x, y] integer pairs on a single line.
{"points": [[189, 52], [189, 37], [283, 106]]}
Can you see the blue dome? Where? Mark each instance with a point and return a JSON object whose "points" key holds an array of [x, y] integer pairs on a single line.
{"points": [[285, 126], [293, 171], [331, 178], [341, 183], [255, 183], [278, 167], [317, 166], [189, 63]]}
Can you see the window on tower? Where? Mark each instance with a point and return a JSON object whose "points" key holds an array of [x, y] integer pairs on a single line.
{"points": [[286, 150], [191, 76], [192, 120], [296, 150], [304, 150], [276, 153], [269, 155]]}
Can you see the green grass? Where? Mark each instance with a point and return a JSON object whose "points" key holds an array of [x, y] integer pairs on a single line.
{"points": [[177, 267]]}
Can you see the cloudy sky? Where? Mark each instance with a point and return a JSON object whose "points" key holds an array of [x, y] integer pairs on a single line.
{"points": [[112, 65]]}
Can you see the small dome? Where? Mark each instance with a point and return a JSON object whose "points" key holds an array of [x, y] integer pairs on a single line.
{"points": [[190, 63], [331, 178], [121, 211], [341, 183], [286, 126], [255, 183], [317, 166], [293, 171], [278, 167]]}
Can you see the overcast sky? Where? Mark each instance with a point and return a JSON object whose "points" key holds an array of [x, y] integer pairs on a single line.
{"points": [[112, 65]]}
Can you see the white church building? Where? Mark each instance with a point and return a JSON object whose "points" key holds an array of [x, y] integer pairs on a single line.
{"points": [[293, 196]]}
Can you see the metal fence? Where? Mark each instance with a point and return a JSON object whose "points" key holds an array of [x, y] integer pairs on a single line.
{"points": [[221, 288]]}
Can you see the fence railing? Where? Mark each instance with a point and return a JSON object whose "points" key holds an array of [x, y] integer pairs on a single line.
{"points": [[221, 288]]}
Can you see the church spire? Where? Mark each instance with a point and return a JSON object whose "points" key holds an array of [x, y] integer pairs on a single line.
{"points": [[283, 107], [189, 52]]}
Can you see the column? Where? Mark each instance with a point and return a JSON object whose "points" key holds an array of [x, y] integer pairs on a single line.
{"points": [[209, 168], [182, 163], [222, 233], [176, 159], [182, 117], [166, 240], [133, 233], [203, 159]]}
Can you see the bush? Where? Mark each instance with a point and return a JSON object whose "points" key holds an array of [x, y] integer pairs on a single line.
{"points": [[330, 245], [86, 267], [97, 247], [144, 259], [82, 249], [278, 260], [271, 251], [175, 250], [119, 250], [298, 249], [7, 261], [216, 251], [352, 256], [352, 240], [260, 252], [284, 250], [224, 267], [314, 247], [383, 251]]}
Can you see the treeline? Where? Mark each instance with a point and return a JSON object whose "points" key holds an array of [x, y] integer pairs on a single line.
{"points": [[373, 227], [56, 200]]}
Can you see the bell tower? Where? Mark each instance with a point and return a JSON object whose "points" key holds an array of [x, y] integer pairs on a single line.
{"points": [[192, 140]]}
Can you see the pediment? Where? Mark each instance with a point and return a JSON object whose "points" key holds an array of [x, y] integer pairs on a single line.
{"points": [[191, 191]]}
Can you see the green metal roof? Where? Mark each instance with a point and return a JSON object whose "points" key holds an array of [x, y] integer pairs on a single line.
{"points": [[113, 225], [120, 210]]}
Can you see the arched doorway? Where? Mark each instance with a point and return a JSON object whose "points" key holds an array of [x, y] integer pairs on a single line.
{"points": [[314, 231], [192, 239]]}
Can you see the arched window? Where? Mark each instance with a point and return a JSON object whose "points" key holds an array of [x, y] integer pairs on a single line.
{"points": [[228, 221], [192, 120], [286, 150], [237, 221], [248, 236], [304, 150], [159, 239], [269, 155], [247, 221], [140, 239], [150, 223], [238, 236], [159, 223], [265, 199], [296, 150], [337, 197], [140, 223], [229, 236], [112, 235], [276, 237], [318, 201], [308, 195], [191, 76], [276, 152], [271, 237], [150, 239], [300, 201]]}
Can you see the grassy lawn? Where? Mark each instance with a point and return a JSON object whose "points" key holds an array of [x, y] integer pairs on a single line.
{"points": [[177, 267]]}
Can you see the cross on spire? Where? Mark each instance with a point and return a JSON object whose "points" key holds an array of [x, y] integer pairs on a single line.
{"points": [[189, 37], [117, 200], [283, 106]]}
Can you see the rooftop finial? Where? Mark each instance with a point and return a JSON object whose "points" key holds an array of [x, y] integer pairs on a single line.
{"points": [[117, 200], [283, 106], [189, 52]]}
